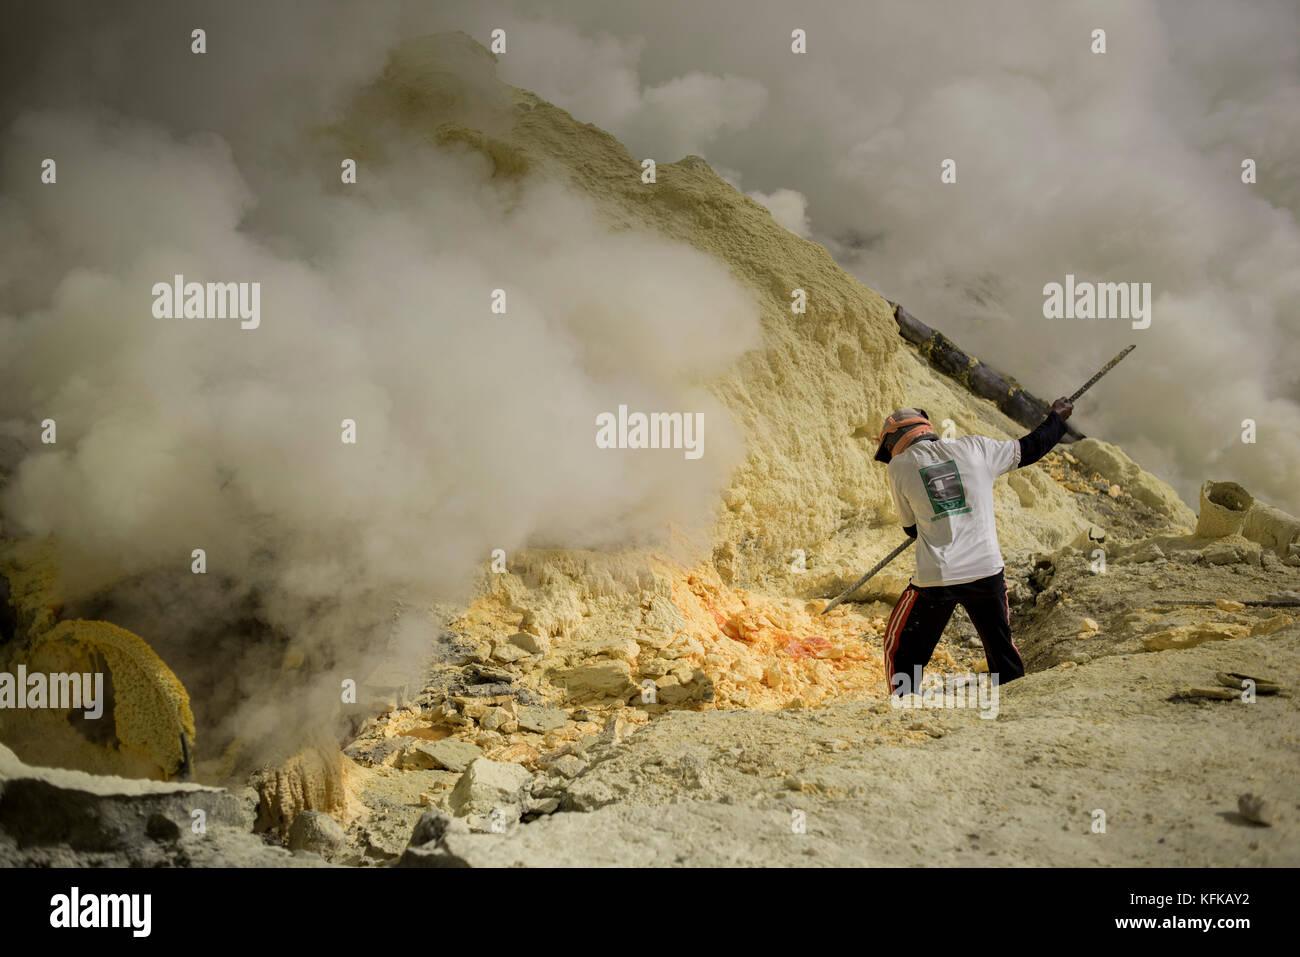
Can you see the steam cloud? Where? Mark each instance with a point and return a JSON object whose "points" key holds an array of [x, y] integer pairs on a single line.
{"points": [[475, 431]]}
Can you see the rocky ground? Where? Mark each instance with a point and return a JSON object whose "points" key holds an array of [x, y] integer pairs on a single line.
{"points": [[856, 782], [878, 785], [60, 818]]}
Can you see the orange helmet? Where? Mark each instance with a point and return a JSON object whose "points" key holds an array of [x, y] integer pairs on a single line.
{"points": [[902, 428]]}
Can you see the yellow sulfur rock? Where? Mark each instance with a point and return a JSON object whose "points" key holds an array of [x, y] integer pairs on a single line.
{"points": [[313, 779], [1270, 625], [1189, 636], [140, 732]]}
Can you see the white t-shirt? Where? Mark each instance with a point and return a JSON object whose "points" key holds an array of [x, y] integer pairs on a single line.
{"points": [[945, 488]]}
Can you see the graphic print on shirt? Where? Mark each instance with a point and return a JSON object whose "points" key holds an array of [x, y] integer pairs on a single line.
{"points": [[944, 489]]}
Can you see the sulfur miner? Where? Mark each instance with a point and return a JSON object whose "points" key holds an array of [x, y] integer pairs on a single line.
{"points": [[943, 490]]}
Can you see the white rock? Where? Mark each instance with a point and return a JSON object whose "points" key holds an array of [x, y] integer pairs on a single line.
{"points": [[488, 786], [316, 831], [1255, 808], [540, 720], [452, 754], [505, 652], [533, 644]]}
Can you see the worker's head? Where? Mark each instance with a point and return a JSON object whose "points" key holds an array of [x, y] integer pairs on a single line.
{"points": [[902, 428]]}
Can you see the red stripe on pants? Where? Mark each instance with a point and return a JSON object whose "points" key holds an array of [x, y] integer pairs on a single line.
{"points": [[897, 619]]}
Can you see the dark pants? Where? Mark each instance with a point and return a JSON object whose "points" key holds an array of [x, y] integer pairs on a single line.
{"points": [[920, 616]]}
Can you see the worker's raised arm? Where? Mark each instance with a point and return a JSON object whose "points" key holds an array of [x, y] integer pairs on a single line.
{"points": [[1044, 438]]}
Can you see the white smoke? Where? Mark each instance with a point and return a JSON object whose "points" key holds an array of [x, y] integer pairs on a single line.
{"points": [[788, 207], [475, 431]]}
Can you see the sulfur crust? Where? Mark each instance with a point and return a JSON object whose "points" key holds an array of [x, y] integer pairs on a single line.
{"points": [[31, 568], [151, 708], [317, 778]]}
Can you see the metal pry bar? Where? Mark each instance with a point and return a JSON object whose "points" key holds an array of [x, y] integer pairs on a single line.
{"points": [[1278, 603], [863, 580], [1104, 369]]}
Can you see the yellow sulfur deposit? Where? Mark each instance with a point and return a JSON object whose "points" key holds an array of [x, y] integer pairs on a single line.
{"points": [[765, 652], [146, 713], [147, 707], [314, 779]]}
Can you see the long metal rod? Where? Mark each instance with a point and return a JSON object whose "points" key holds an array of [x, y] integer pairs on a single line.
{"points": [[1104, 369], [1288, 603], [863, 580]]}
